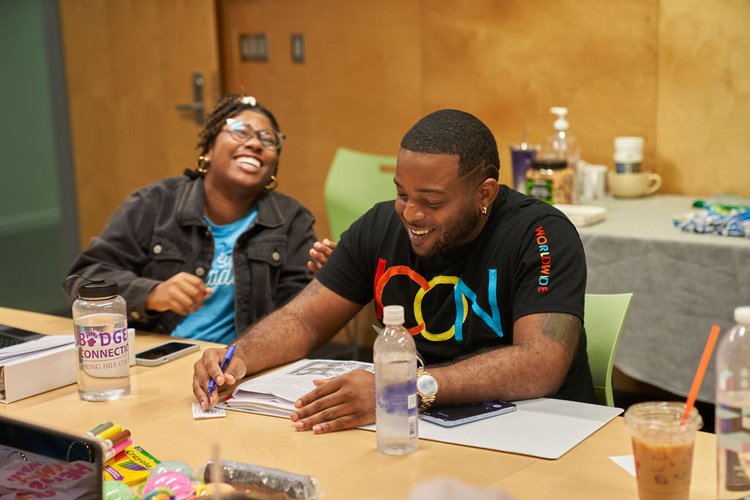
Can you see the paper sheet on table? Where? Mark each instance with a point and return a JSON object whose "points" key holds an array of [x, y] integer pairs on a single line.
{"points": [[627, 462]]}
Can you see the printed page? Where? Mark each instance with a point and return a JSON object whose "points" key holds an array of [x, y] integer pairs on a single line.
{"points": [[275, 392]]}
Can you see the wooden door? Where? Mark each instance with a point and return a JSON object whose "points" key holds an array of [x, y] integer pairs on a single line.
{"points": [[129, 63]]}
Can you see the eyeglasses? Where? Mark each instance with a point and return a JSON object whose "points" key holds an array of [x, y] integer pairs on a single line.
{"points": [[242, 132]]}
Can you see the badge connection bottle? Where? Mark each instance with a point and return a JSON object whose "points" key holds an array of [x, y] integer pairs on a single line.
{"points": [[101, 333]]}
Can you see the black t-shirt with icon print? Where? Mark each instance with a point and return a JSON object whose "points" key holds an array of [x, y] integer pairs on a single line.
{"points": [[527, 259]]}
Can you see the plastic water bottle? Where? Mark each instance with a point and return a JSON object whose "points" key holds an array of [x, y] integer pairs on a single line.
{"points": [[395, 359], [733, 409], [101, 332]]}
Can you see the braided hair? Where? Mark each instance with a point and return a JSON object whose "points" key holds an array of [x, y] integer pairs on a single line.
{"points": [[229, 106]]}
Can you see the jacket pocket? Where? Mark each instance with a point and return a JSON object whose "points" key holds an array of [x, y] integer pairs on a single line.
{"points": [[269, 251], [167, 257]]}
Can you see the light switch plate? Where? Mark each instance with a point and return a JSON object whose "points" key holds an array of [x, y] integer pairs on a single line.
{"points": [[298, 48]]}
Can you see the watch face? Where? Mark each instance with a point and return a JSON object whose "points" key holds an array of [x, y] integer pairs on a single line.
{"points": [[427, 385]]}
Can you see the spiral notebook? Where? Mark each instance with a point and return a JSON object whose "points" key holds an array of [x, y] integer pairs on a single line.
{"points": [[71, 465]]}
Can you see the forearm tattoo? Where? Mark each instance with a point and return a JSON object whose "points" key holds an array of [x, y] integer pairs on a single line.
{"points": [[564, 328]]}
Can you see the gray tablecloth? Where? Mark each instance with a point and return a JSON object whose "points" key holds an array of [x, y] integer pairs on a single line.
{"points": [[683, 283]]}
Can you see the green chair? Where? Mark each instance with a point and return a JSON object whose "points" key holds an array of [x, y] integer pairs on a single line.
{"points": [[356, 181], [603, 318]]}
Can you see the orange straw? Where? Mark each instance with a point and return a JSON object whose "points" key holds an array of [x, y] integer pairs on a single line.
{"points": [[698, 379]]}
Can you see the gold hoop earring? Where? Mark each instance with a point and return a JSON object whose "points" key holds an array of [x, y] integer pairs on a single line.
{"points": [[484, 210], [203, 164], [272, 183]]}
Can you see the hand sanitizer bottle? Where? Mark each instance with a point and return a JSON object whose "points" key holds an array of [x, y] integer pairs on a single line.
{"points": [[562, 145]]}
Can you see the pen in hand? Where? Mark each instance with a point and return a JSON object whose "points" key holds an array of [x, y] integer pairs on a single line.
{"points": [[224, 364]]}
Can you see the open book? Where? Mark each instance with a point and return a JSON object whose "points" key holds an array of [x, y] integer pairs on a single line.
{"points": [[274, 393]]}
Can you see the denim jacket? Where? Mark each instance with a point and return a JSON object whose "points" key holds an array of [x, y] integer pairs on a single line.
{"points": [[160, 231]]}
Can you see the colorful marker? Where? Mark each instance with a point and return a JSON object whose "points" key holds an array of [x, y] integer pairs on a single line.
{"points": [[224, 364], [108, 432], [109, 454], [114, 440], [99, 428]]}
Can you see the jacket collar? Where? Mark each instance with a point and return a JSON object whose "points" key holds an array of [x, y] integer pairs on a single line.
{"points": [[191, 206]]}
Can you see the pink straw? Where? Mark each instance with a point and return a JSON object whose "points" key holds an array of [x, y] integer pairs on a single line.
{"points": [[698, 379]]}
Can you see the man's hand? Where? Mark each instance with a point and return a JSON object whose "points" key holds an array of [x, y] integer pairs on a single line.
{"points": [[337, 403], [319, 254], [183, 294], [209, 367]]}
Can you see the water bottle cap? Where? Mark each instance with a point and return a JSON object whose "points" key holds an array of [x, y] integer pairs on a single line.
{"points": [[98, 289], [393, 315], [742, 315]]}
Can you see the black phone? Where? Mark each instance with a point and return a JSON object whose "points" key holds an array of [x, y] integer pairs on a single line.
{"points": [[450, 416], [160, 354]]}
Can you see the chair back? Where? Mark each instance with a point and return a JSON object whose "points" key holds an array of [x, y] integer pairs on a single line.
{"points": [[603, 318], [356, 181]]}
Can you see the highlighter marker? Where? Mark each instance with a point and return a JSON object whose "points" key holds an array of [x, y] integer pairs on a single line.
{"points": [[108, 433], [114, 440], [109, 454], [99, 428]]}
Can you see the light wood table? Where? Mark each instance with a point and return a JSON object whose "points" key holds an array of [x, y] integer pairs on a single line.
{"points": [[158, 413]]}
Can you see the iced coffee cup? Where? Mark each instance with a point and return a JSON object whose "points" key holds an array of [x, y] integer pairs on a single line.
{"points": [[662, 448]]}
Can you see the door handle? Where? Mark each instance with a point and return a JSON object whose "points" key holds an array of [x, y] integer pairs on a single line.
{"points": [[197, 106]]}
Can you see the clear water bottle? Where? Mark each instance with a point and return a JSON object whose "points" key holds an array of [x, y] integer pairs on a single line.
{"points": [[395, 357], [733, 409], [101, 332]]}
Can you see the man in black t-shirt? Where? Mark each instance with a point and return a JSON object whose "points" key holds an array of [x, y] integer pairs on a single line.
{"points": [[492, 283]]}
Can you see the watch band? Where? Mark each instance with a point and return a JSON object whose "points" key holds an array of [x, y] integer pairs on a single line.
{"points": [[424, 401]]}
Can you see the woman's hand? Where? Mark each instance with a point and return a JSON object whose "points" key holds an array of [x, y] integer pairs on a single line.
{"points": [[319, 254], [183, 293]]}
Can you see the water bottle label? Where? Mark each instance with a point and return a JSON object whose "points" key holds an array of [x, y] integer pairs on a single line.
{"points": [[412, 426], [102, 351], [399, 398]]}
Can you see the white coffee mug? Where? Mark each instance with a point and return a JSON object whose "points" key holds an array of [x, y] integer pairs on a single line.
{"points": [[633, 185]]}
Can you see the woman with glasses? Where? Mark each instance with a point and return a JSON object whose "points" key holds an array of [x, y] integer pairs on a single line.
{"points": [[205, 255]]}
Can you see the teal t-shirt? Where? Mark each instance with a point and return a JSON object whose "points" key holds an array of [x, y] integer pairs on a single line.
{"points": [[215, 320]]}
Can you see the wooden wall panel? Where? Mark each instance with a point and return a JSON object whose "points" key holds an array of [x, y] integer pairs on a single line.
{"points": [[674, 72], [128, 64], [360, 86], [704, 96], [508, 62]]}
